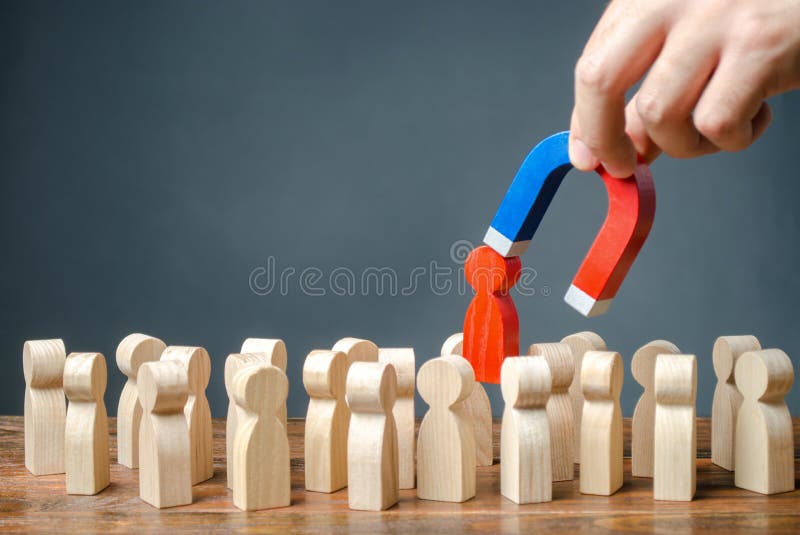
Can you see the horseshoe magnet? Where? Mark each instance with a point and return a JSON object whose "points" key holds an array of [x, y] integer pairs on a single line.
{"points": [[631, 208]]}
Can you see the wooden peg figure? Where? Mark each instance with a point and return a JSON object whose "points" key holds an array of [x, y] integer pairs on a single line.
{"points": [[643, 368], [356, 350], [274, 353], [601, 424], [675, 456], [764, 447], [327, 424], [372, 461], [133, 351], [234, 363], [446, 443], [727, 399], [525, 466], [579, 344], [165, 467], [86, 437], [491, 326], [261, 445], [559, 408], [403, 360], [198, 413], [45, 407], [477, 406]]}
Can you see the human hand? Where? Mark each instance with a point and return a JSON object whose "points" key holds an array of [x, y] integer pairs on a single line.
{"points": [[712, 64]]}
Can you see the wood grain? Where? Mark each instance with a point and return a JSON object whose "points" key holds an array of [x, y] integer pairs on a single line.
{"points": [[559, 407], [643, 368], [764, 440], [675, 428], [29, 503], [446, 444], [579, 344], [86, 431], [198, 413], [403, 361], [477, 406], [372, 463], [45, 405], [727, 398], [133, 351], [602, 454], [526, 474], [261, 445]]}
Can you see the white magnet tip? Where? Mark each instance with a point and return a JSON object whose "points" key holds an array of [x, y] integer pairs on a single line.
{"points": [[503, 245], [585, 303]]}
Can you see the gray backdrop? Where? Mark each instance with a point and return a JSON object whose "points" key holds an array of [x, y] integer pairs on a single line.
{"points": [[155, 155]]}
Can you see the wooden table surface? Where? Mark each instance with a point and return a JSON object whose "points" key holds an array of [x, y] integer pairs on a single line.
{"points": [[29, 503]]}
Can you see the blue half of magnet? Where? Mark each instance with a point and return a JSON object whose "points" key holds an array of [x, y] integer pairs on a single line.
{"points": [[529, 195]]}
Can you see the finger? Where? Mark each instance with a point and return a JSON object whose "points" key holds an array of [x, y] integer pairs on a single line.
{"points": [[579, 154], [673, 87], [607, 68], [731, 112], [634, 127]]}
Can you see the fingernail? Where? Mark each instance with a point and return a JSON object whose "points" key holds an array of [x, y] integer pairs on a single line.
{"points": [[580, 155]]}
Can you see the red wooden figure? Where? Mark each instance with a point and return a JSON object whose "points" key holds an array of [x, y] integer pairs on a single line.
{"points": [[491, 326]]}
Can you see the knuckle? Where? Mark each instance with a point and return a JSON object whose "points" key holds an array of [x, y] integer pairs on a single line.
{"points": [[757, 32], [653, 110], [592, 74], [721, 128]]}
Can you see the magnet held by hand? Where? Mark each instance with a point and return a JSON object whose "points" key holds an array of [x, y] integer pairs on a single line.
{"points": [[631, 209]]}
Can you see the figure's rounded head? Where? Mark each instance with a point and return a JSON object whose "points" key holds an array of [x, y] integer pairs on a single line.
{"points": [[43, 362], [197, 363], [765, 375], [136, 349], [601, 375], [260, 388], [525, 381], [163, 387], [325, 373], [444, 381], [371, 387], [85, 377], [489, 272]]}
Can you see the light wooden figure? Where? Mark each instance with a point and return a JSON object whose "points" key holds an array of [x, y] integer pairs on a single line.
{"points": [[764, 437], [45, 407], [274, 352], [559, 408], [234, 363], [403, 361], [327, 423], [601, 424], [579, 344], [133, 351], [197, 411], [478, 407], [675, 456], [165, 467], [525, 466], [372, 460], [446, 443], [643, 367], [727, 398], [356, 350], [86, 436], [261, 445]]}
